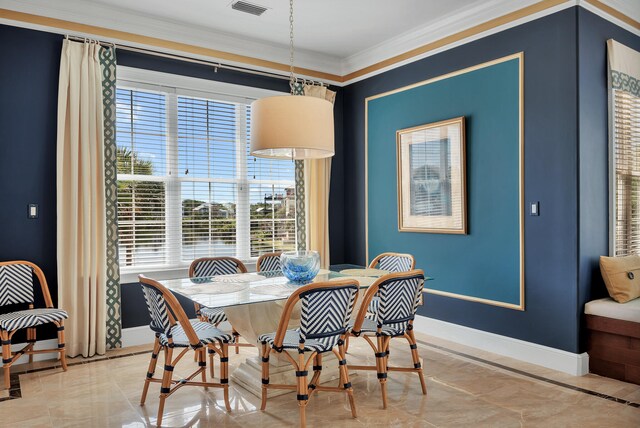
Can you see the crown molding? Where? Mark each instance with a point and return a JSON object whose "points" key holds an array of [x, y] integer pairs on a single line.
{"points": [[122, 27], [117, 19]]}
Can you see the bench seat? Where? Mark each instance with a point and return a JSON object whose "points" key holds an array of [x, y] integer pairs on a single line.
{"points": [[613, 339]]}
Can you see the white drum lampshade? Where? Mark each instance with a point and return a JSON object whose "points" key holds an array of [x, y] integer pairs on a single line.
{"points": [[292, 127]]}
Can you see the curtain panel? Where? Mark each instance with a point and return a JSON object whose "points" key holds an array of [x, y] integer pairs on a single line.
{"points": [[85, 174], [624, 67]]}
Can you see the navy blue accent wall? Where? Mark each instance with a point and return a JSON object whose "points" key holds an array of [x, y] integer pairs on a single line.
{"points": [[551, 167], [594, 32], [28, 105]]}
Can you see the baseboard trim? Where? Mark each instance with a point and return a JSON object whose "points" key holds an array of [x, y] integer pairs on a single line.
{"points": [[40, 344], [552, 358], [134, 336]]}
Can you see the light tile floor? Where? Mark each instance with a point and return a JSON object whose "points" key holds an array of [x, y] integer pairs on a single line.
{"points": [[466, 387]]}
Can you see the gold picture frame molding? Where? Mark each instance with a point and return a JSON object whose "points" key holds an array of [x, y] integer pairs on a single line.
{"points": [[520, 57], [463, 178]]}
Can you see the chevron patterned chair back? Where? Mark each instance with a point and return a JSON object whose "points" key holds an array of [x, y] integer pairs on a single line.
{"points": [[161, 318], [394, 262], [211, 266], [399, 299], [398, 296], [17, 288], [269, 262], [16, 284], [175, 333], [325, 312]]}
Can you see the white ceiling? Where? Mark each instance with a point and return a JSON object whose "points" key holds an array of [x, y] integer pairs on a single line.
{"points": [[333, 36], [332, 27]]}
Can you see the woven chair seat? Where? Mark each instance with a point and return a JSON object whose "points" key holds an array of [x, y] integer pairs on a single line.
{"points": [[292, 340], [213, 315], [205, 331], [31, 318], [369, 326]]}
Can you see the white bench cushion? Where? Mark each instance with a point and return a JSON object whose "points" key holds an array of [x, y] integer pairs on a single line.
{"points": [[609, 308]]}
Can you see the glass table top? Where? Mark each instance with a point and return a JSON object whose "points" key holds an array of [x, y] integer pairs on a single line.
{"points": [[247, 288]]}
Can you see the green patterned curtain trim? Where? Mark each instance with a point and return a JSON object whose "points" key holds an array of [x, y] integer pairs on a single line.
{"points": [[114, 324], [624, 82]]}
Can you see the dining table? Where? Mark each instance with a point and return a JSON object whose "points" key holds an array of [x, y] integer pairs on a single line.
{"points": [[253, 304]]}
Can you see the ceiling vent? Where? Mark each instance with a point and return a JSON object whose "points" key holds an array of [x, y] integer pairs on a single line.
{"points": [[247, 7]]}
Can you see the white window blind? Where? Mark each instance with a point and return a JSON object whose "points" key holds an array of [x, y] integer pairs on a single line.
{"points": [[626, 130], [188, 187]]}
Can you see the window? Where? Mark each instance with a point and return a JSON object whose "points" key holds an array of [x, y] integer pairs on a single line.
{"points": [[626, 130], [187, 185]]}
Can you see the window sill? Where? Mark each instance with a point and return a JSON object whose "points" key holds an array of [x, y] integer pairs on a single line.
{"points": [[130, 275]]}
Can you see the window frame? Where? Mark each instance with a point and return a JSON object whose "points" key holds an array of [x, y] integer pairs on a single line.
{"points": [[174, 86]]}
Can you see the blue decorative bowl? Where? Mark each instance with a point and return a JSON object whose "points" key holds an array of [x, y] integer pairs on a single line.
{"points": [[300, 266]]}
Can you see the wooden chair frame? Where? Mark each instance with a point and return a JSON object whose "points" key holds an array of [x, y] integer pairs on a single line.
{"points": [[9, 357], [167, 384], [304, 388], [242, 269], [376, 260], [381, 345], [264, 256]]}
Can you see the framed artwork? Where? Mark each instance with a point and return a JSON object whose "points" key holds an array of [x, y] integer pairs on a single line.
{"points": [[431, 178]]}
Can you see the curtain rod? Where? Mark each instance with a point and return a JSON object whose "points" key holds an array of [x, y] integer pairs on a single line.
{"points": [[215, 65]]}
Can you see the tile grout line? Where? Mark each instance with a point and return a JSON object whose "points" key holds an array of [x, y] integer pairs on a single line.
{"points": [[534, 376]]}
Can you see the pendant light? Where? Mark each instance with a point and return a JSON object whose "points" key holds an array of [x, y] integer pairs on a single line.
{"points": [[292, 126]]}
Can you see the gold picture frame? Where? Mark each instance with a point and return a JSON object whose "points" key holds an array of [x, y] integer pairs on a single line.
{"points": [[431, 176]]}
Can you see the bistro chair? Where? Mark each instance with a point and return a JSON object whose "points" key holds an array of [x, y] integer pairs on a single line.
{"points": [[392, 262], [269, 262], [399, 295], [174, 330], [211, 266], [17, 288], [325, 312]]}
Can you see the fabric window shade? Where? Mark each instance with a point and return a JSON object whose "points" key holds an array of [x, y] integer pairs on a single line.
{"points": [[624, 81], [205, 195]]}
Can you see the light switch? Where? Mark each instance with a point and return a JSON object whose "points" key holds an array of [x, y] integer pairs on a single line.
{"points": [[33, 210], [535, 208]]}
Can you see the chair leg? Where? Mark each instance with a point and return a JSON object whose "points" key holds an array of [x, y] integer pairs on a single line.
{"points": [[201, 354], [265, 373], [150, 371], [224, 373], [381, 365], [212, 368], [31, 338], [165, 386], [6, 358], [236, 337], [317, 370], [344, 374], [416, 359], [61, 345], [303, 391]]}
